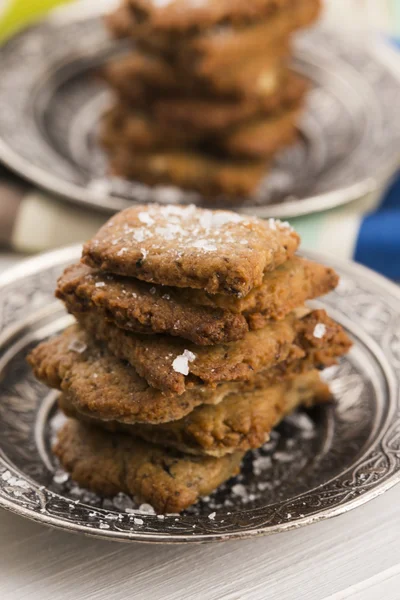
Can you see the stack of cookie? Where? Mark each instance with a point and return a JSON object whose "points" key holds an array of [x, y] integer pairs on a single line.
{"points": [[206, 98], [192, 342]]}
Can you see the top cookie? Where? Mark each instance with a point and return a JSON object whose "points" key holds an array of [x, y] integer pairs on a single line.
{"points": [[218, 251], [188, 15]]}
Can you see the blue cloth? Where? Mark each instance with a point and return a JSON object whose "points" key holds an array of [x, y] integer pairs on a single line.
{"points": [[378, 243]]}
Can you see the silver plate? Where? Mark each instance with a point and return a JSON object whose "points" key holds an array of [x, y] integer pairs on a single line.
{"points": [[318, 464], [51, 100]]}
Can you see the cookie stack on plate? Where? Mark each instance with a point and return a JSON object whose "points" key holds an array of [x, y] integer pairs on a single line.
{"points": [[192, 341], [206, 98]]}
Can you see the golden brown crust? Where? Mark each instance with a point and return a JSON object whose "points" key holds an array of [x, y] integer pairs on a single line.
{"points": [[281, 291], [218, 251], [163, 360], [239, 423], [104, 387], [145, 308], [101, 386], [111, 463]]}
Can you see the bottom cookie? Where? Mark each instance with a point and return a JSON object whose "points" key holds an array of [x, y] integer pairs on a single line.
{"points": [[192, 171], [111, 463]]}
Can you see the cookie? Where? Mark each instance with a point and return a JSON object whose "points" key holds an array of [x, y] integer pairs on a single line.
{"points": [[148, 83], [263, 137], [213, 52], [111, 463], [185, 15], [218, 180], [125, 73], [102, 387], [217, 251], [214, 116], [141, 77], [281, 291], [141, 19], [210, 52], [138, 131], [260, 138], [172, 365], [254, 78], [191, 314], [143, 308], [240, 422]]}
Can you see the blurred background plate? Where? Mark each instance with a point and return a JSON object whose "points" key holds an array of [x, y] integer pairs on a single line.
{"points": [[316, 465], [350, 134]]}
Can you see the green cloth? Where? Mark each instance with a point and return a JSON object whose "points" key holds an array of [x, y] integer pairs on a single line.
{"points": [[18, 13]]}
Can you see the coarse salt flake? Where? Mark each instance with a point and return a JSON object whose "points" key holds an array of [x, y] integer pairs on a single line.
{"points": [[285, 225], [210, 220], [139, 235], [212, 516], [272, 224], [147, 509], [205, 245], [77, 346], [319, 331], [138, 521], [99, 284], [181, 363], [239, 490], [145, 218], [261, 463], [60, 477]]}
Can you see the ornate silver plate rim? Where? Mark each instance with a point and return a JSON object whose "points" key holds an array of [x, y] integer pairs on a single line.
{"points": [[92, 198], [381, 288]]}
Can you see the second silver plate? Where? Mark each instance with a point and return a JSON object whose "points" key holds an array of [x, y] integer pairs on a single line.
{"points": [[51, 101]]}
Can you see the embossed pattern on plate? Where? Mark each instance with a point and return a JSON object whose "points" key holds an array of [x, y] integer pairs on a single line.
{"points": [[316, 465], [349, 142]]}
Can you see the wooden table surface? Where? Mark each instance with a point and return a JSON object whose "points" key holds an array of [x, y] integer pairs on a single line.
{"points": [[354, 556]]}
